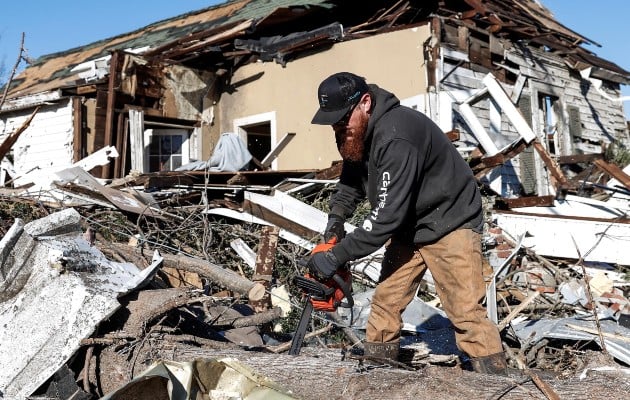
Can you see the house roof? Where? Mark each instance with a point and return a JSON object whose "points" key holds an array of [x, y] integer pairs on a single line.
{"points": [[227, 33]]}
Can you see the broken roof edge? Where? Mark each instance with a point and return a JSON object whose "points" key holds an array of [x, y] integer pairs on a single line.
{"points": [[549, 16], [46, 57], [30, 101], [582, 54], [49, 71]]}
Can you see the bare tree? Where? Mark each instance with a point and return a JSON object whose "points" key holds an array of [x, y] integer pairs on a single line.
{"points": [[21, 56]]}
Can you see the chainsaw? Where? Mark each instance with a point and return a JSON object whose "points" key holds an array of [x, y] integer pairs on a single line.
{"points": [[324, 296]]}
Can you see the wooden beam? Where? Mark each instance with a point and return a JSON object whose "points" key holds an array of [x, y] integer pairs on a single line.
{"points": [[118, 173], [614, 171], [111, 103], [265, 261], [579, 158], [488, 163], [432, 64], [551, 164], [89, 89], [273, 154], [77, 127], [11, 138], [530, 201]]}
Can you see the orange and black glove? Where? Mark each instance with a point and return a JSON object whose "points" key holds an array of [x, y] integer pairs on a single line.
{"points": [[323, 264]]}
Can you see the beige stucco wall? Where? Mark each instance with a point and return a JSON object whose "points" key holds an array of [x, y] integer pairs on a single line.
{"points": [[392, 60]]}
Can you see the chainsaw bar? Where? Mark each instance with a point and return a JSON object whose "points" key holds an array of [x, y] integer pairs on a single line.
{"points": [[298, 337]]}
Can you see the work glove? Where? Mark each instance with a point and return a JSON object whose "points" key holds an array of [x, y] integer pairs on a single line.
{"points": [[334, 228], [323, 265]]}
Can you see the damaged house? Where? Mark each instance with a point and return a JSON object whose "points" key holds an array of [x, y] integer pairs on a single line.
{"points": [[495, 75], [518, 93]]}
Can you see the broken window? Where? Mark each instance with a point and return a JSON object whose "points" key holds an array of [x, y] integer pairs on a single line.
{"points": [[258, 139], [259, 132], [548, 109]]}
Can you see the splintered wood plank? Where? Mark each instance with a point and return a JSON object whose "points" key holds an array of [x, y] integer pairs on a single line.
{"points": [[264, 265], [532, 201], [11, 138], [551, 164], [614, 171]]}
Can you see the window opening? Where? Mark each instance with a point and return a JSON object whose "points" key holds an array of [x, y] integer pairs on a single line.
{"points": [[547, 105], [258, 139], [259, 132], [167, 149]]}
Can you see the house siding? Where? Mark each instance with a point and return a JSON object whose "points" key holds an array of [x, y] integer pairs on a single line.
{"points": [[578, 107], [48, 140], [602, 119]]}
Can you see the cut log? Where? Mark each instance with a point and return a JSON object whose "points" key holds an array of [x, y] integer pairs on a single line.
{"points": [[223, 277], [322, 374]]}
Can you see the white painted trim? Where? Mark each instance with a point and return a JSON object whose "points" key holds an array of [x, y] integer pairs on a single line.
{"points": [[270, 117], [136, 139], [149, 133], [508, 108], [275, 150], [31, 100], [477, 129]]}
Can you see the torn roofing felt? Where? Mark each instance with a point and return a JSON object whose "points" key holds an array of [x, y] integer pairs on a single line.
{"points": [[53, 71]]}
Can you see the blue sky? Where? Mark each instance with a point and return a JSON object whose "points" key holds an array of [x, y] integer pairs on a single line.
{"points": [[605, 22], [52, 26]]}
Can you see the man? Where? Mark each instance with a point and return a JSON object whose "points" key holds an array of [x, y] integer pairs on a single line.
{"points": [[425, 206]]}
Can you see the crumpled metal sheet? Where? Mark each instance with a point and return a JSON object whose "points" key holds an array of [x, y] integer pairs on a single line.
{"points": [[215, 379], [66, 288], [418, 316], [615, 335]]}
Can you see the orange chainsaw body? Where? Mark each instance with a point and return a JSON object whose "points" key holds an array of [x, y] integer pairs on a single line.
{"points": [[330, 303]]}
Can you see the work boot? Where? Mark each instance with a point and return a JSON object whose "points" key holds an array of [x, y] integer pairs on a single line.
{"points": [[381, 350], [493, 364]]}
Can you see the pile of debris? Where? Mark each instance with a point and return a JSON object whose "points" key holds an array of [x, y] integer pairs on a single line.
{"points": [[187, 278]]}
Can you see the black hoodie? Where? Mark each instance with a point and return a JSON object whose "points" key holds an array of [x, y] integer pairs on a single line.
{"points": [[418, 185]]}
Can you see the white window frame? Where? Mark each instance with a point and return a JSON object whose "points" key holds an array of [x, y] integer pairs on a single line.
{"points": [[240, 123], [184, 133]]}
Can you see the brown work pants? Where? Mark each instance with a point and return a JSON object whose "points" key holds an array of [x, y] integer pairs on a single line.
{"points": [[455, 263]]}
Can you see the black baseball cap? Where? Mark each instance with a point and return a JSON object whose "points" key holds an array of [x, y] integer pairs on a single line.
{"points": [[337, 94]]}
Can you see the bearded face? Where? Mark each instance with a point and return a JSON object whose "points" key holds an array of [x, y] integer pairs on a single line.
{"points": [[350, 135]]}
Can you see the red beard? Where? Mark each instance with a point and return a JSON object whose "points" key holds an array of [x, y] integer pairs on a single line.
{"points": [[351, 143]]}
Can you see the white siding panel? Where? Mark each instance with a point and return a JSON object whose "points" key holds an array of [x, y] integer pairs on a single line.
{"points": [[602, 119], [48, 140]]}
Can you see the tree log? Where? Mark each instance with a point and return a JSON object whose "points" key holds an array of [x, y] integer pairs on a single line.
{"points": [[223, 277], [250, 320], [322, 374]]}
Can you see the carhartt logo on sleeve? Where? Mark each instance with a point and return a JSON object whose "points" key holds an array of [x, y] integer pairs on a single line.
{"points": [[382, 195]]}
